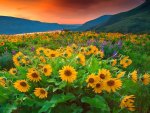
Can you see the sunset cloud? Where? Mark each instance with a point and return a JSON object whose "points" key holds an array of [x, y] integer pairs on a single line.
{"points": [[64, 11]]}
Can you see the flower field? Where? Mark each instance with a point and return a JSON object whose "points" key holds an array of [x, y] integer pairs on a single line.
{"points": [[73, 72]]}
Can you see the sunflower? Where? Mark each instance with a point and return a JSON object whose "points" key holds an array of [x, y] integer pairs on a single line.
{"points": [[112, 85], [146, 79], [91, 80], [68, 74], [121, 74], [42, 59], [46, 52], [125, 62], [41, 93], [21, 85], [98, 87], [13, 71], [2, 82], [128, 102], [31, 70], [53, 54], [100, 54], [33, 76], [2, 43], [114, 62], [39, 50], [134, 76], [67, 54], [47, 69], [104, 74], [81, 59], [69, 49]]}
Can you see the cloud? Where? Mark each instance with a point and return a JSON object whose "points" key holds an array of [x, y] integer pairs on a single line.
{"points": [[65, 11]]}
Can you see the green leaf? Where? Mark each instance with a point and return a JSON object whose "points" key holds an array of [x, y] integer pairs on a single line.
{"points": [[9, 108], [60, 98], [97, 102]]}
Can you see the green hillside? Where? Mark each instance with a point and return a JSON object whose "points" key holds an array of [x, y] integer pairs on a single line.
{"points": [[133, 21]]}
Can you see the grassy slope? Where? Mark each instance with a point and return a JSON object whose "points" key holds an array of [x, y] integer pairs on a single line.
{"points": [[135, 21]]}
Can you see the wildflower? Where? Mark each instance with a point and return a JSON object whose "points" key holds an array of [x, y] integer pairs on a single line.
{"points": [[125, 62], [114, 62], [21, 85], [146, 79], [2, 82], [128, 102], [47, 69], [81, 59], [68, 74], [41, 93], [91, 80], [112, 84], [33, 76], [13, 71], [98, 87], [104, 74], [121, 74], [134, 76]]}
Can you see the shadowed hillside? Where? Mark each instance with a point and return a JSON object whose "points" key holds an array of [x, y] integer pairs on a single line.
{"points": [[133, 21], [12, 25]]}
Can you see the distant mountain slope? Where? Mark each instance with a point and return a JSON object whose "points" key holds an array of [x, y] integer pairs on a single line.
{"points": [[93, 23], [134, 21], [12, 25]]}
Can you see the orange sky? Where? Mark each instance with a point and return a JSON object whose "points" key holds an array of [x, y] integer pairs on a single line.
{"points": [[64, 11]]}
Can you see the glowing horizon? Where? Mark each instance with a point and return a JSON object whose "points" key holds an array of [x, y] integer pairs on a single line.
{"points": [[64, 11]]}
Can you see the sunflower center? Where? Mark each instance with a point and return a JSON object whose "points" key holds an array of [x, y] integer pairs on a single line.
{"points": [[91, 80], [34, 75], [98, 85], [42, 91], [14, 71], [102, 76], [111, 83], [68, 73], [52, 55], [45, 70], [23, 84]]}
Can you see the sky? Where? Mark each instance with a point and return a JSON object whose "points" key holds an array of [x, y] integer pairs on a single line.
{"points": [[64, 11]]}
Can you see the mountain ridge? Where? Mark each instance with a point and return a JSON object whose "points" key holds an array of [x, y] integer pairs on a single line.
{"points": [[15, 25]]}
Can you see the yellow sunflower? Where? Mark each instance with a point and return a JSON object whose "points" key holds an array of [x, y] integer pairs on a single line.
{"points": [[146, 79], [134, 76], [67, 54], [31, 69], [42, 59], [128, 102], [47, 69], [41, 93], [2, 82], [112, 85], [39, 50], [68, 74], [121, 74], [21, 85], [13, 71], [81, 59], [53, 54], [33, 76], [104, 74], [114, 62], [91, 80], [100, 54], [125, 62], [98, 87], [46, 52]]}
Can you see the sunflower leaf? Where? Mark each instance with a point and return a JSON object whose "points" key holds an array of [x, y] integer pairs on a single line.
{"points": [[96, 102]]}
